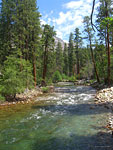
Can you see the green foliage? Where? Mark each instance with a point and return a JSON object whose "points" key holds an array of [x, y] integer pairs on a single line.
{"points": [[15, 80], [87, 70], [48, 48], [72, 78], [65, 60], [45, 89], [20, 31], [2, 98], [49, 81], [59, 57], [64, 77], [71, 55], [57, 77]]}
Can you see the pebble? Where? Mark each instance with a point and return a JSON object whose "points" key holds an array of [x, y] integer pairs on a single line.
{"points": [[24, 98], [105, 98]]}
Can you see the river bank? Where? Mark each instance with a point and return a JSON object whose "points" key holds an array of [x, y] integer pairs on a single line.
{"points": [[23, 98], [104, 97], [28, 96]]}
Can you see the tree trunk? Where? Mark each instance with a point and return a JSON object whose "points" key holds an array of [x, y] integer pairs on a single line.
{"points": [[94, 64], [108, 51], [34, 69], [108, 44], [77, 62], [44, 67]]}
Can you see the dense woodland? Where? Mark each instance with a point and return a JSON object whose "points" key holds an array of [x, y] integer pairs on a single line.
{"points": [[29, 55]]}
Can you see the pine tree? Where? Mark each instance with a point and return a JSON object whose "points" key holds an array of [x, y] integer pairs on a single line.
{"points": [[48, 45], [19, 39], [78, 43], [71, 55], [20, 31], [6, 29], [65, 58], [59, 58], [105, 11], [13, 80], [88, 31], [27, 32]]}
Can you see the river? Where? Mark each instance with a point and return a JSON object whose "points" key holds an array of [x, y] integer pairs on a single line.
{"points": [[65, 120]]}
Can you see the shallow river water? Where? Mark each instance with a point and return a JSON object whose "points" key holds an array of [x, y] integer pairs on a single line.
{"points": [[64, 120]]}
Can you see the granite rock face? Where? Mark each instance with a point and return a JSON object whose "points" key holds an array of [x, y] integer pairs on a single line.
{"points": [[61, 41]]}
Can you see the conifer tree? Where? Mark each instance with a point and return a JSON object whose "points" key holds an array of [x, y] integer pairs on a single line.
{"points": [[27, 32], [6, 29], [78, 43], [19, 34], [65, 58], [104, 12], [48, 45], [88, 31], [59, 58], [71, 55], [20, 31]]}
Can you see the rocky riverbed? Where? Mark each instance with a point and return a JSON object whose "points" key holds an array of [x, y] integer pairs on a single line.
{"points": [[28, 96], [104, 97], [23, 98]]}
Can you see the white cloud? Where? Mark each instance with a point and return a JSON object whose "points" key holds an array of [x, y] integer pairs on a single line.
{"points": [[43, 22], [70, 17], [59, 34], [51, 12], [63, 17], [73, 4], [49, 20]]}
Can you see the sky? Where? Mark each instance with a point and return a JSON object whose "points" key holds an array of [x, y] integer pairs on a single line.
{"points": [[65, 15]]}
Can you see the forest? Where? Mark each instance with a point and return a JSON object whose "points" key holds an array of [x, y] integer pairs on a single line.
{"points": [[29, 55]]}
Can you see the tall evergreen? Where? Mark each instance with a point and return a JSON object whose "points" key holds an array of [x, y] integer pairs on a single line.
{"points": [[19, 41], [89, 33], [104, 12], [59, 57], [48, 45], [71, 55], [78, 43], [20, 30], [27, 31], [65, 59], [6, 29]]}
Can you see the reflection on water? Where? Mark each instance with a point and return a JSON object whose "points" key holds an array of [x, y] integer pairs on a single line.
{"points": [[64, 120]]}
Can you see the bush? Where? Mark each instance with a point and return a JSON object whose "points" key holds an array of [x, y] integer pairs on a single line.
{"points": [[2, 98], [64, 77], [49, 81], [57, 77], [45, 89], [72, 78], [14, 79]]}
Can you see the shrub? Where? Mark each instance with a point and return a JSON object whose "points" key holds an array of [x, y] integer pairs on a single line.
{"points": [[14, 79], [2, 98], [64, 77], [57, 77], [48, 81], [72, 78], [45, 89]]}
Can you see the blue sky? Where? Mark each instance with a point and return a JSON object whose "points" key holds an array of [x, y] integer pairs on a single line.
{"points": [[65, 15]]}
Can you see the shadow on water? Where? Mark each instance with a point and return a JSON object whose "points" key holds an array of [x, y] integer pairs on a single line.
{"points": [[76, 109], [102, 141]]}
